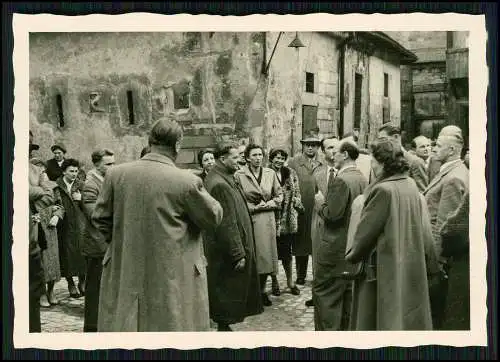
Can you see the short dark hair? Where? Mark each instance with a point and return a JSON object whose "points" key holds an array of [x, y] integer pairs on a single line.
{"points": [[97, 155], [202, 153], [165, 132], [223, 148], [413, 144], [145, 151], [390, 129], [277, 151], [322, 144], [252, 146], [390, 155], [70, 162], [351, 149]]}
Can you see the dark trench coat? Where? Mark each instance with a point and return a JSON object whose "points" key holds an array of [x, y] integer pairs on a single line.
{"points": [[307, 183], [233, 295], [70, 230]]}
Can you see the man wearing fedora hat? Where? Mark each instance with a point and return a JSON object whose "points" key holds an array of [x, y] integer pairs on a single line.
{"points": [[304, 165]]}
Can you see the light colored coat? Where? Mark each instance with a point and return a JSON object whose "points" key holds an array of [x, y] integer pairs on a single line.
{"points": [[321, 176], [395, 224], [263, 216], [444, 195], [154, 271]]}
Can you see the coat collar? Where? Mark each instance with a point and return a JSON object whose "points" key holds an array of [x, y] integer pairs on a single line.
{"points": [[156, 157], [222, 171], [441, 174], [304, 160], [62, 185]]}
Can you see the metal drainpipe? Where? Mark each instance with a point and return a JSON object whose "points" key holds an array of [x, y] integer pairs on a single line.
{"points": [[341, 88]]}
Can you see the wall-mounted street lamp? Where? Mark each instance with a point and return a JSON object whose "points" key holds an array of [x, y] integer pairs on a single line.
{"points": [[297, 44]]}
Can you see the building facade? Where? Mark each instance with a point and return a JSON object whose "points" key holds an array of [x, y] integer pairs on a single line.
{"points": [[91, 90], [434, 89]]}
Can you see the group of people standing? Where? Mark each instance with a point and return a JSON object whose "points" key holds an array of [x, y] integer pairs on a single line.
{"points": [[64, 241], [177, 249]]}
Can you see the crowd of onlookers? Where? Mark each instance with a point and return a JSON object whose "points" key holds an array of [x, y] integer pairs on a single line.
{"points": [[159, 248]]}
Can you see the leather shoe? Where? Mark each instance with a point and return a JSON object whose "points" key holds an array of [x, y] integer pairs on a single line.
{"points": [[294, 290], [309, 303], [266, 301]]}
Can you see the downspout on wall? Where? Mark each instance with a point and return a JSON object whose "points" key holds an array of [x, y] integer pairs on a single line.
{"points": [[342, 47]]}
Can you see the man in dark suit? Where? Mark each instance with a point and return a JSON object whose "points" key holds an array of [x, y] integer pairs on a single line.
{"points": [[94, 245], [233, 281], [444, 195], [54, 170], [331, 293]]}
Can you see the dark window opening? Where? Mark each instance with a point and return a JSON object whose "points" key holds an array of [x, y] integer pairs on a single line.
{"points": [[130, 104], [386, 115], [181, 96], [309, 82], [358, 86], [386, 85], [60, 112]]}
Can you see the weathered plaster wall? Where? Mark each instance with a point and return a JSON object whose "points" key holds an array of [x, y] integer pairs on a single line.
{"points": [[220, 70], [286, 86], [377, 69]]}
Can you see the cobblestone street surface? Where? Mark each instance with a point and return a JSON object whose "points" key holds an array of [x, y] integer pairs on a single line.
{"points": [[288, 312]]}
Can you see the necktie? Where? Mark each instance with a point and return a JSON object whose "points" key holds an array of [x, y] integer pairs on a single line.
{"points": [[331, 174]]}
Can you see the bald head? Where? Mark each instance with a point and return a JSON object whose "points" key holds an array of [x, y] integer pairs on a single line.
{"points": [[422, 147]]}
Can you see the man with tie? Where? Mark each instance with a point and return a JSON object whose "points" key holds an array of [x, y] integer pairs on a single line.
{"points": [[322, 175], [331, 293], [444, 195]]}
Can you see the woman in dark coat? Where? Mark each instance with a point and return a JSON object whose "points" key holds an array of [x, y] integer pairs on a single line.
{"points": [[394, 238], [70, 229], [287, 217]]}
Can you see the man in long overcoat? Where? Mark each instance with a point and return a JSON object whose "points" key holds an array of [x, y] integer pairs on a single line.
{"points": [[331, 293], [304, 165], [93, 244], [233, 281], [152, 214], [444, 195], [321, 174]]}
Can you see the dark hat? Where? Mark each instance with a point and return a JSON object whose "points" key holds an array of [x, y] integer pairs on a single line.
{"points": [[58, 146], [311, 139], [34, 147]]}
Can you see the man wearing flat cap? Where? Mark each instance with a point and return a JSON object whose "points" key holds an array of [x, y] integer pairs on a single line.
{"points": [[444, 195], [54, 170], [304, 165]]}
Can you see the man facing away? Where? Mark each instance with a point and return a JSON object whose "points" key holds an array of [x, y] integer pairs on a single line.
{"points": [[152, 213], [94, 246], [331, 293], [233, 281], [444, 196], [418, 170]]}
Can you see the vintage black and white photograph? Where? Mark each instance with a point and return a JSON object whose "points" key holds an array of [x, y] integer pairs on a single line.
{"points": [[251, 181]]}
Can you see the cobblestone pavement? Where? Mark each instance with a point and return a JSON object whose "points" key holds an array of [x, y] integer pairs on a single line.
{"points": [[288, 312]]}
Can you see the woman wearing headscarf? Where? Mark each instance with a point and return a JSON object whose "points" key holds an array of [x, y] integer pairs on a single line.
{"points": [[394, 241]]}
